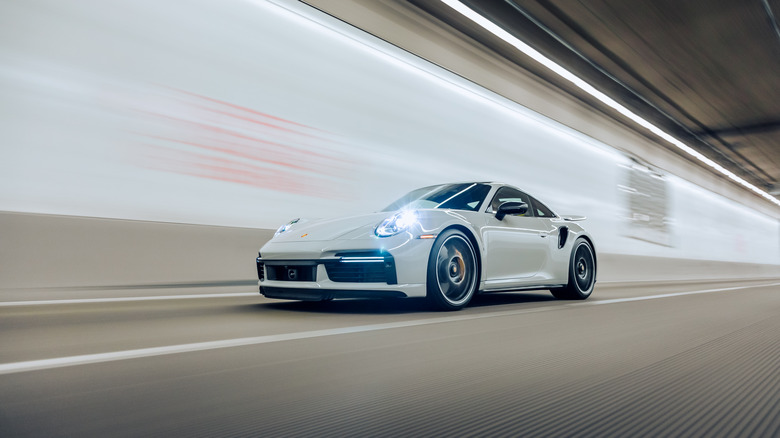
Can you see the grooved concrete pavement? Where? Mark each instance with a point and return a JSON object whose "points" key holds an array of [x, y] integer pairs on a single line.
{"points": [[518, 364]]}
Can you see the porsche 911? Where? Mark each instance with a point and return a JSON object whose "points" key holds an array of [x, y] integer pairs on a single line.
{"points": [[445, 242]]}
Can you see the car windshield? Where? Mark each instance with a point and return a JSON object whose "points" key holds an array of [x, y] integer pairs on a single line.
{"points": [[467, 196]]}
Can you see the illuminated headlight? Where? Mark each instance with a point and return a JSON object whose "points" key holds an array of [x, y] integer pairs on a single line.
{"points": [[396, 223], [286, 227]]}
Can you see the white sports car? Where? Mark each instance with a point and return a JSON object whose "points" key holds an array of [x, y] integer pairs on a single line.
{"points": [[445, 242]]}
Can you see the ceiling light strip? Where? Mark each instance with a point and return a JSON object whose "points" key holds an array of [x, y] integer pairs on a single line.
{"points": [[569, 76]]}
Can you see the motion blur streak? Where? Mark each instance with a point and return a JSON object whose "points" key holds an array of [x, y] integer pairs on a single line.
{"points": [[150, 148], [282, 112], [506, 36], [125, 299]]}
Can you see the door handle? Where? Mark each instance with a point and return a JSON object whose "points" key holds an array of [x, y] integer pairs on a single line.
{"points": [[543, 234]]}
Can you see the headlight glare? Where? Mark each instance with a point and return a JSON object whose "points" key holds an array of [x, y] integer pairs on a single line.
{"points": [[396, 223], [286, 227]]}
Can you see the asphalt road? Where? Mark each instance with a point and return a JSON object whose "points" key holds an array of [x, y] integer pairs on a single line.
{"points": [[694, 359]]}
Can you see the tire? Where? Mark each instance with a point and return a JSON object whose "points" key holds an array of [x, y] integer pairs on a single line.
{"points": [[452, 271], [582, 273]]}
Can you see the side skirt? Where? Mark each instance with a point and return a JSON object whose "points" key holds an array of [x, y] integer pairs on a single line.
{"points": [[519, 288]]}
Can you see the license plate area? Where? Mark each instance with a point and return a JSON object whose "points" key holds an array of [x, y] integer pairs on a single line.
{"points": [[291, 272]]}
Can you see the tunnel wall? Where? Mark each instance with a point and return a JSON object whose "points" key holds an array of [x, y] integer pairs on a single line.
{"points": [[62, 252], [162, 144]]}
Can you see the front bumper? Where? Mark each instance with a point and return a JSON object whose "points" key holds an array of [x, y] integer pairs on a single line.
{"points": [[364, 268], [304, 294]]}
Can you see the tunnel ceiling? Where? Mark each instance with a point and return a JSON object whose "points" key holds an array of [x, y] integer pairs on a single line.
{"points": [[707, 72]]}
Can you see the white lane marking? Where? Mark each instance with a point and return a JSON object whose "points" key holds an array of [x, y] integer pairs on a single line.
{"points": [[253, 294], [33, 365], [122, 299], [673, 282], [42, 364], [675, 294]]}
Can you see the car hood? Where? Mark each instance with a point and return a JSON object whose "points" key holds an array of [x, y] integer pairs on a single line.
{"points": [[353, 227]]}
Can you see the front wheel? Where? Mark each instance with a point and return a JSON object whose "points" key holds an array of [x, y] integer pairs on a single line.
{"points": [[452, 271], [582, 273]]}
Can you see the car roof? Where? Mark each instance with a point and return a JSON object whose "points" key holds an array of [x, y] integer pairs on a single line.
{"points": [[491, 183]]}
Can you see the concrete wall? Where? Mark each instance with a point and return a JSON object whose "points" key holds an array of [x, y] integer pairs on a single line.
{"points": [[65, 251], [62, 252]]}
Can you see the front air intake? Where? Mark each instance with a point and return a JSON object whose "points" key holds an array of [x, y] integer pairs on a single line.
{"points": [[364, 267], [260, 268]]}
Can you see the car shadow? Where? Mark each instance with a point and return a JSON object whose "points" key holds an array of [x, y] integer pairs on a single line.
{"points": [[388, 306], [504, 298], [391, 306]]}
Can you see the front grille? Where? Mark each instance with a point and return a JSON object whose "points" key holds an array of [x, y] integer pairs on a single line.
{"points": [[291, 272], [362, 268]]}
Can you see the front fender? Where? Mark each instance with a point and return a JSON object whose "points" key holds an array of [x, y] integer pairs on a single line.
{"points": [[435, 222]]}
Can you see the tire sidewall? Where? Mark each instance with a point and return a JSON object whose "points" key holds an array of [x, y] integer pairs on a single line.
{"points": [[573, 287], [434, 293]]}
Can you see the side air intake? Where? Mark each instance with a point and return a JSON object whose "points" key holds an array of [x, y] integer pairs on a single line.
{"points": [[563, 234]]}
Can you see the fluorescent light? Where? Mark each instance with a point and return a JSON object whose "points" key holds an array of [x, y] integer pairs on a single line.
{"points": [[569, 76]]}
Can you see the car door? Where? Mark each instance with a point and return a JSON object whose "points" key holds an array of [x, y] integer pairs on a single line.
{"points": [[516, 246]]}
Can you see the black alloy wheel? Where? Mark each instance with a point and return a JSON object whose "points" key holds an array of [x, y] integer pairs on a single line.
{"points": [[452, 271], [582, 273]]}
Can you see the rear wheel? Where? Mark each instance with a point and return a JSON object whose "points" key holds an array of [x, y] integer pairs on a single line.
{"points": [[452, 271], [582, 273]]}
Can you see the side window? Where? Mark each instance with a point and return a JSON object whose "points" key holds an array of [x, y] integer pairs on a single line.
{"points": [[541, 210], [509, 194]]}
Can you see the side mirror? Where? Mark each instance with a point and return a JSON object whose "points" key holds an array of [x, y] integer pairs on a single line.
{"points": [[511, 208]]}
